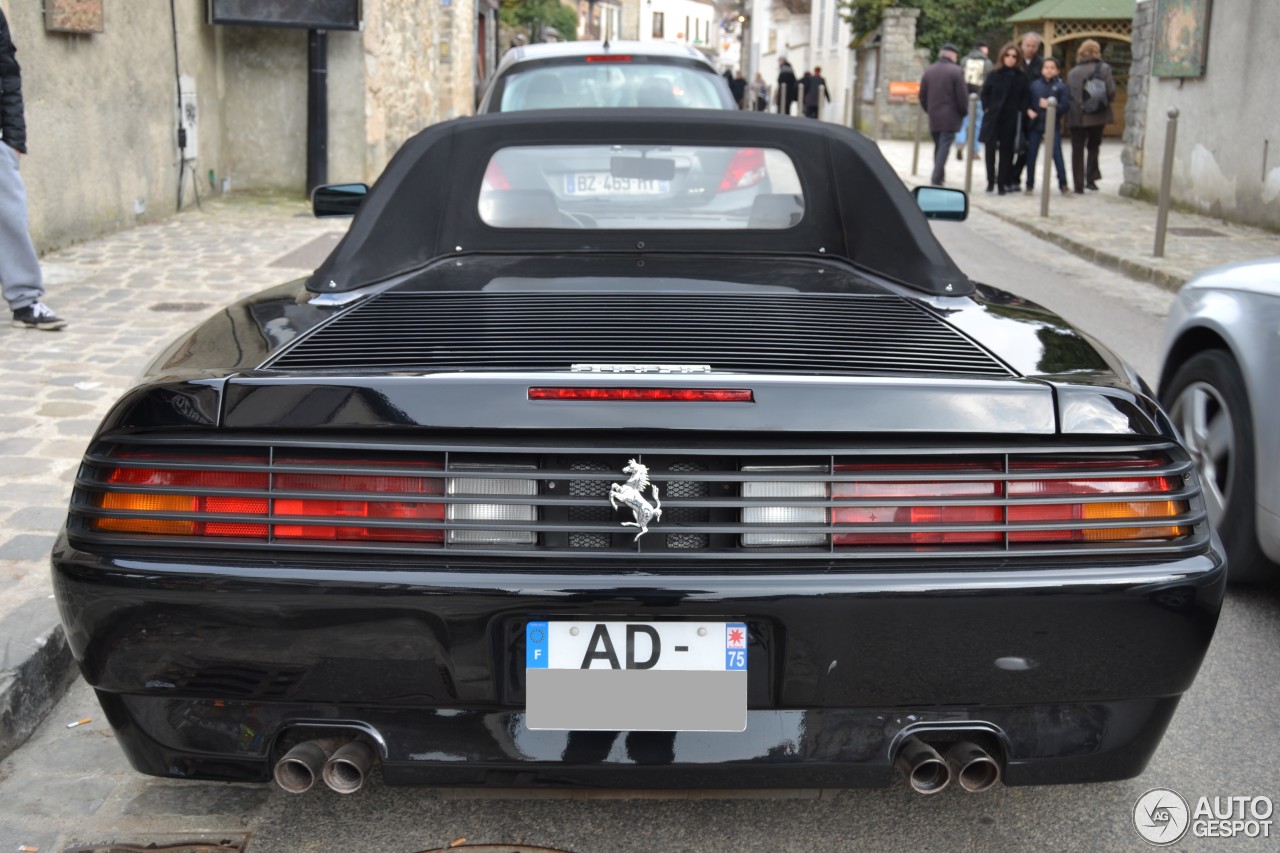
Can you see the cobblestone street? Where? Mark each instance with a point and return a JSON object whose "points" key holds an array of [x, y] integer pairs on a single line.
{"points": [[126, 296]]}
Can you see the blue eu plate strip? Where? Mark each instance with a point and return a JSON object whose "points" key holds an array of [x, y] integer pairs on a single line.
{"points": [[535, 645]]}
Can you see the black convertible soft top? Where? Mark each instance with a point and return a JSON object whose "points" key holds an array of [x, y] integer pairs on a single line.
{"points": [[425, 205]]}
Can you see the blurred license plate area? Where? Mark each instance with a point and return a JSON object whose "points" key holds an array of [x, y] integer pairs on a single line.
{"points": [[603, 183], [636, 676]]}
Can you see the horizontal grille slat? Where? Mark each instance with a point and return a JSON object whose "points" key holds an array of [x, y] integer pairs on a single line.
{"points": [[709, 508], [802, 333]]}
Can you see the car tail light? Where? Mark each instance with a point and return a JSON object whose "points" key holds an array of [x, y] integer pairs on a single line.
{"points": [[495, 513], [494, 177], [646, 395], [785, 514], [282, 500], [608, 57], [746, 169], [989, 502]]}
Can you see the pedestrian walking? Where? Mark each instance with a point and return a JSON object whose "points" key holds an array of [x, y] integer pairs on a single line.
{"points": [[976, 66], [1029, 46], [1049, 85], [760, 93], [20, 275], [945, 98], [788, 87], [1093, 88], [815, 88], [1004, 98], [738, 86]]}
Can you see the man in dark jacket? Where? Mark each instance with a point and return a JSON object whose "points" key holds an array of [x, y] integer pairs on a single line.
{"points": [[814, 87], [19, 267], [944, 96], [788, 87]]}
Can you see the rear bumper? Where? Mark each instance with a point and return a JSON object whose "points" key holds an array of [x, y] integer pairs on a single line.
{"points": [[206, 668]]}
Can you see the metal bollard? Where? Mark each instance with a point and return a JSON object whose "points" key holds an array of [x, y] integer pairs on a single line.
{"points": [[915, 154], [1166, 181], [970, 144], [1050, 137]]}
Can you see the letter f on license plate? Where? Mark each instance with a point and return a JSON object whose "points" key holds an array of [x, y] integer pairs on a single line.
{"points": [[636, 676]]}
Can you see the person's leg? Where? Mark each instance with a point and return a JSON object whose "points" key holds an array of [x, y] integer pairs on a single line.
{"points": [[989, 159], [961, 137], [19, 266], [1058, 162], [1033, 151], [943, 141], [1095, 141], [1006, 138], [977, 142], [1077, 158]]}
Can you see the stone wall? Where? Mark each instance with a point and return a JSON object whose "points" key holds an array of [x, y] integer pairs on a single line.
{"points": [[1135, 111], [900, 60]]}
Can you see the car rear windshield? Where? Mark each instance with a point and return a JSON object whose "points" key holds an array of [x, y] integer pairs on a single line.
{"points": [[640, 187], [618, 82]]}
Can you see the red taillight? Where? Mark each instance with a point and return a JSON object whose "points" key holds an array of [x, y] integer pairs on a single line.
{"points": [[495, 178], [1023, 503], [285, 513], [647, 395], [608, 57], [745, 169]]}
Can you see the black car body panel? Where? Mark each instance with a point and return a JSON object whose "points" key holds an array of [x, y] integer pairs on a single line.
{"points": [[1049, 595]]}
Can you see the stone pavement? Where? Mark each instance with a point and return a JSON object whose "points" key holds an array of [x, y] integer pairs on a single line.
{"points": [[1102, 227], [125, 296]]}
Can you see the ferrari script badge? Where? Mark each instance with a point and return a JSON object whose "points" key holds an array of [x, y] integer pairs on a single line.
{"points": [[631, 494]]}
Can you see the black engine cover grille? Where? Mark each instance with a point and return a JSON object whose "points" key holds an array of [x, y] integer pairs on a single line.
{"points": [[803, 333]]}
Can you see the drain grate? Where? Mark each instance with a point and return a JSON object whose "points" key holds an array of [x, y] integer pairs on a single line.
{"points": [[179, 306]]}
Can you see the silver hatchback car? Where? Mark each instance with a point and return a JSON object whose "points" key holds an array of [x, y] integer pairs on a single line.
{"points": [[575, 74], [1219, 383]]}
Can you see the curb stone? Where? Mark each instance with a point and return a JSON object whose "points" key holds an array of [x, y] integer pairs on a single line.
{"points": [[36, 668]]}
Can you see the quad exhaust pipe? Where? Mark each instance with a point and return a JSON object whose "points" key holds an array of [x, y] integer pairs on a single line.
{"points": [[344, 765], [928, 772]]}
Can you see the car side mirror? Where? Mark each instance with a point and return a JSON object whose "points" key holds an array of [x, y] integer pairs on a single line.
{"points": [[338, 199], [942, 203]]}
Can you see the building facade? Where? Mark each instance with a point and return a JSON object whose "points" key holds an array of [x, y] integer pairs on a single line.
{"points": [[102, 108]]}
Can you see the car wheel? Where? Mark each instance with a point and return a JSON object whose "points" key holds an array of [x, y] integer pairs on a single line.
{"points": [[1209, 404]]}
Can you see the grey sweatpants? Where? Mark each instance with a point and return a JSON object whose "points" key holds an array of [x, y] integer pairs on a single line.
{"points": [[19, 266]]}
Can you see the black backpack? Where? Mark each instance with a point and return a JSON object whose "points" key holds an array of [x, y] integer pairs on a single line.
{"points": [[1095, 92]]}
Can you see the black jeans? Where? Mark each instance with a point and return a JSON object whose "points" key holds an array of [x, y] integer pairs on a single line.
{"points": [[1082, 138]]}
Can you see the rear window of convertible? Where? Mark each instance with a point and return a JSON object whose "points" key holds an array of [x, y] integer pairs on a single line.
{"points": [[630, 187], [610, 84]]}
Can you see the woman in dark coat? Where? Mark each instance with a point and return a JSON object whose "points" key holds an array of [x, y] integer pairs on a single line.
{"points": [[1086, 128], [1004, 101]]}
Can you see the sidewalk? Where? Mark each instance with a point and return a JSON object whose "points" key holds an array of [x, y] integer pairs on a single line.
{"points": [[125, 296], [1103, 227]]}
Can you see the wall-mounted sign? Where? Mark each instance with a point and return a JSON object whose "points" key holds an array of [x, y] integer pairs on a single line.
{"points": [[73, 16], [1182, 38], [904, 91], [305, 14]]}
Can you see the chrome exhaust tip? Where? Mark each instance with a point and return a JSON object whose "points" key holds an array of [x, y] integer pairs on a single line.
{"points": [[925, 769], [346, 769], [301, 766], [974, 768]]}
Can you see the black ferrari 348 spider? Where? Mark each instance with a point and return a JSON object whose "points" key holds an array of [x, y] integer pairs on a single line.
{"points": [[638, 449]]}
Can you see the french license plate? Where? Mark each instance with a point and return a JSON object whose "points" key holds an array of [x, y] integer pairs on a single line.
{"points": [[603, 183], [636, 676]]}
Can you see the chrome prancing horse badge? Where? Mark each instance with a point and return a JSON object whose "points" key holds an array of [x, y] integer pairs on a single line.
{"points": [[632, 494]]}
